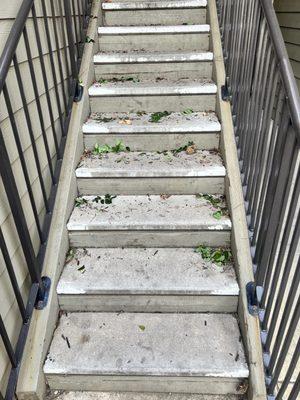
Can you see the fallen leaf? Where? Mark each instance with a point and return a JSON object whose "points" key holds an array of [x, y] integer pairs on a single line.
{"points": [[191, 149], [164, 196], [125, 122]]}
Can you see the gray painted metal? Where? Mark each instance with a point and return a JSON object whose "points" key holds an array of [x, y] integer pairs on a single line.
{"points": [[266, 108]]}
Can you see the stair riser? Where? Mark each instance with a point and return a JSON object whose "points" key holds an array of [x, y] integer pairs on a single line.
{"points": [[202, 102], [144, 186], [155, 42], [155, 238], [155, 142], [155, 17], [202, 385], [171, 70], [147, 303]]}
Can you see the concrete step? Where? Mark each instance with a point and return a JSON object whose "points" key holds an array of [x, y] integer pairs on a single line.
{"points": [[151, 173], [163, 12], [136, 396], [146, 280], [154, 38], [140, 134], [148, 221], [194, 353], [155, 65], [153, 96]]}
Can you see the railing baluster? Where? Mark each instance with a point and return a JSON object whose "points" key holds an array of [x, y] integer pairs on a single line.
{"points": [[22, 160], [12, 276], [52, 64], [290, 371], [58, 55], [31, 134], [7, 344], [38, 103], [45, 80]]}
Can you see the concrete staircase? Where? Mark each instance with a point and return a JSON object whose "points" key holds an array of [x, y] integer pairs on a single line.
{"points": [[141, 309]]}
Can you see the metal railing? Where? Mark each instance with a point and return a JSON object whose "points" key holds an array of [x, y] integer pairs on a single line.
{"points": [[266, 113], [54, 31]]}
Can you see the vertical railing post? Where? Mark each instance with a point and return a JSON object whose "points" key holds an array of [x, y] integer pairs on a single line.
{"points": [[69, 25]]}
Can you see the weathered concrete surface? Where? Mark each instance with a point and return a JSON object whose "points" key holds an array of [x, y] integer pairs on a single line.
{"points": [[173, 65], [148, 221], [162, 87], [134, 5], [151, 173], [56, 395], [152, 16], [201, 163], [153, 58], [153, 95], [141, 271], [147, 213], [154, 38], [146, 280], [88, 346], [140, 134], [176, 122]]}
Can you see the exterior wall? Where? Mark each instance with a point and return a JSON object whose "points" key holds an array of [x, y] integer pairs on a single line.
{"points": [[8, 10], [288, 13]]}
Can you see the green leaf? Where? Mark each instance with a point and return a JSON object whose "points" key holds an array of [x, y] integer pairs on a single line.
{"points": [[187, 111], [142, 327], [80, 201], [157, 116], [217, 214], [104, 149], [220, 256]]}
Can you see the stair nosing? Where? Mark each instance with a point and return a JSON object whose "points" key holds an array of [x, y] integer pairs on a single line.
{"points": [[150, 30], [123, 90], [151, 58], [204, 124], [144, 5]]}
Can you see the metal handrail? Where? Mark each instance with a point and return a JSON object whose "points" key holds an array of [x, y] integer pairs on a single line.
{"points": [[284, 65], [13, 40], [72, 17]]}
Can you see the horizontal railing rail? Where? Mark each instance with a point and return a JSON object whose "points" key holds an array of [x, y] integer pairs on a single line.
{"points": [[44, 50], [266, 112]]}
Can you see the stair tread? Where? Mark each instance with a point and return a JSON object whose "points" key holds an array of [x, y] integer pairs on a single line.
{"points": [[158, 271], [153, 29], [202, 163], [176, 212], [148, 57], [146, 4], [152, 88], [202, 345], [175, 122]]}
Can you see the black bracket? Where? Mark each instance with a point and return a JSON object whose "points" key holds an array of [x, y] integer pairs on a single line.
{"points": [[225, 91], [78, 92], [42, 299], [252, 299]]}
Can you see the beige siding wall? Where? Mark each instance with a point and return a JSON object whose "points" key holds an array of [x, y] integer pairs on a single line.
{"points": [[8, 11], [288, 13]]}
